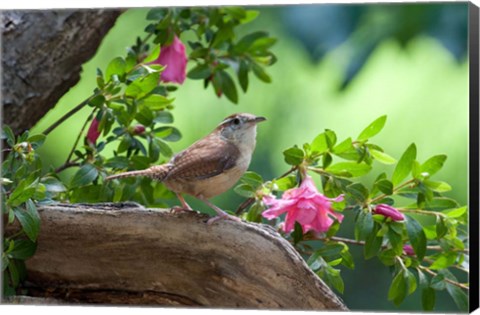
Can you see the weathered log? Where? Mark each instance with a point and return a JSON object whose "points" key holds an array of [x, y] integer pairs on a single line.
{"points": [[126, 254], [42, 56]]}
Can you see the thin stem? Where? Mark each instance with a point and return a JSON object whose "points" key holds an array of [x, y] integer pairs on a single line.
{"points": [[68, 163], [70, 113], [424, 212], [65, 166], [453, 266], [433, 274], [408, 182], [439, 248], [79, 135]]}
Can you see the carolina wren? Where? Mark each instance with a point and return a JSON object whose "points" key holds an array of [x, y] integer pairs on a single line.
{"points": [[210, 166]]}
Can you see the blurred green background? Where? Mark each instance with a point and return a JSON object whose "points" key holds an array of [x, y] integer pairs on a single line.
{"points": [[338, 68]]}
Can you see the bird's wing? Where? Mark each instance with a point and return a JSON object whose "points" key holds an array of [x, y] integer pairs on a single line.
{"points": [[202, 160]]}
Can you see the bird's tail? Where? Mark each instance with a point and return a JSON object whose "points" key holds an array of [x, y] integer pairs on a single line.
{"points": [[158, 172]]}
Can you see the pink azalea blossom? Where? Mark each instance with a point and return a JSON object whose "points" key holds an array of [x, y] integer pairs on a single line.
{"points": [[93, 132], [408, 249], [304, 205], [389, 211], [174, 58]]}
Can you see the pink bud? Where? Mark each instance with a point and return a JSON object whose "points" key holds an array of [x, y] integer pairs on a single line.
{"points": [[138, 129], [389, 211], [408, 249], [174, 58], [93, 132]]}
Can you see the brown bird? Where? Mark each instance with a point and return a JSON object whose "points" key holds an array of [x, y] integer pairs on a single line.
{"points": [[210, 166]]}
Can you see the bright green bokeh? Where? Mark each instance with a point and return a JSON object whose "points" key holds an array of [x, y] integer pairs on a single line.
{"points": [[421, 88]]}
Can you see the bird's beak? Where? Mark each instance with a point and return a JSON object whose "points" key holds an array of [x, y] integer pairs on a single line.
{"points": [[259, 119]]}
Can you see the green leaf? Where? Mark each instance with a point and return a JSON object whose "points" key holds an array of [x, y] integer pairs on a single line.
{"points": [[437, 186], [157, 14], [155, 102], [372, 129], [251, 178], [438, 282], [285, 182], [260, 73], [53, 185], [358, 191], [168, 133], [411, 281], [373, 243], [319, 144], [455, 213], [363, 224], [163, 117], [115, 67], [84, 176], [200, 72], [293, 156], [342, 147], [23, 249], [8, 135], [349, 169], [37, 140], [404, 166], [245, 190], [30, 224], [142, 85], [382, 157], [444, 260], [440, 227], [243, 75], [433, 164], [385, 186], [428, 299], [227, 86], [24, 191], [297, 233], [459, 297], [153, 55], [245, 42], [417, 237], [387, 257], [398, 289]]}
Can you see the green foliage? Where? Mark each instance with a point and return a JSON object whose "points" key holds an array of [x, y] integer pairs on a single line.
{"points": [[23, 186], [434, 248]]}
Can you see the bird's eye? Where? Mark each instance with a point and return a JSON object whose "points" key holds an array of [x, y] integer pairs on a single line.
{"points": [[236, 121]]}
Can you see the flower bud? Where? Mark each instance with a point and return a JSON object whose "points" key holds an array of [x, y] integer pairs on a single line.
{"points": [[389, 211], [408, 250], [93, 132], [138, 130]]}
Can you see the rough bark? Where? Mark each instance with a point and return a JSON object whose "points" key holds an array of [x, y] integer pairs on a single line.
{"points": [[126, 254], [42, 55]]}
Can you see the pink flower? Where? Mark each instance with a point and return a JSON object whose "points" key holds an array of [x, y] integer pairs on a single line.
{"points": [[408, 249], [93, 132], [174, 58], [389, 211], [304, 205]]}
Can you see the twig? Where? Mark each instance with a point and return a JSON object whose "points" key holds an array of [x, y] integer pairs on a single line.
{"points": [[408, 182], [438, 248], [460, 285], [65, 166], [453, 266], [70, 113]]}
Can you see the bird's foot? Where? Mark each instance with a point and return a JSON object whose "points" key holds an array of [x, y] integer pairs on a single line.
{"points": [[223, 216], [178, 209]]}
